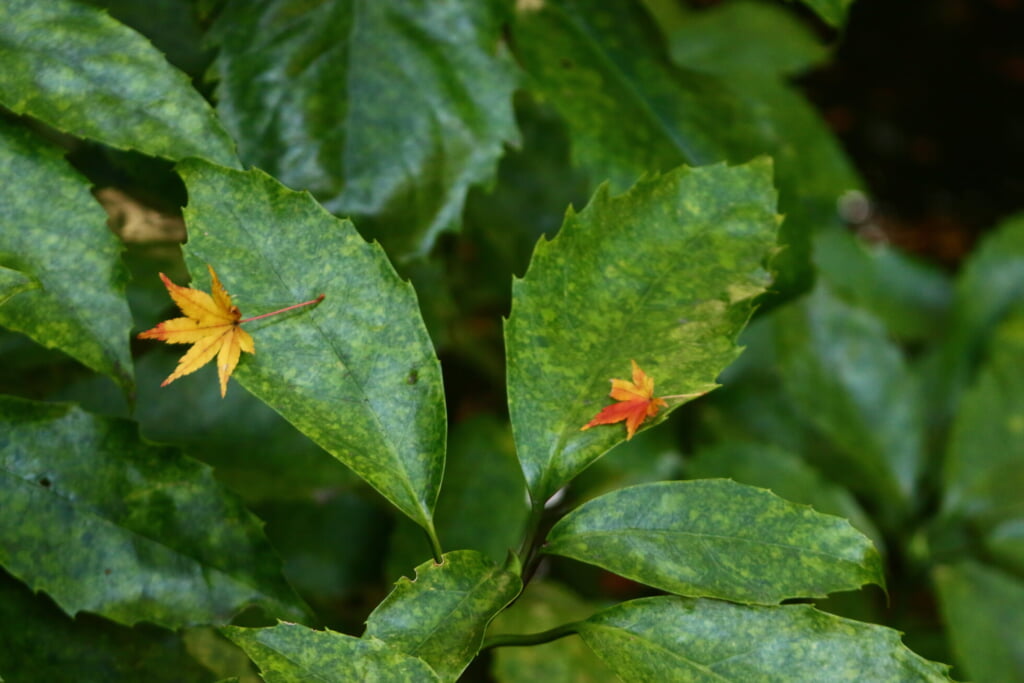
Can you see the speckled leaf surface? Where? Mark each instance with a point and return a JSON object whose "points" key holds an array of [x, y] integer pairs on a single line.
{"points": [[852, 383], [983, 473], [442, 614], [663, 274], [290, 653], [105, 523], [56, 233], [716, 538], [82, 72], [601, 65], [38, 642], [13, 282], [785, 474], [683, 639], [983, 608], [357, 373], [386, 111]]}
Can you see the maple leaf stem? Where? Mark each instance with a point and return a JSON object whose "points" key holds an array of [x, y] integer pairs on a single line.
{"points": [[282, 310]]}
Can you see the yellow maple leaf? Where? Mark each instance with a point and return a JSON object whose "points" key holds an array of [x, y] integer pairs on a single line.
{"points": [[212, 324]]}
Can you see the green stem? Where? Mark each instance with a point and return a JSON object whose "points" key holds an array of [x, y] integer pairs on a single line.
{"points": [[524, 639], [435, 543], [528, 551]]}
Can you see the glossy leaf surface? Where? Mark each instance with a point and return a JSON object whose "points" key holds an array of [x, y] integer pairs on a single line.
{"points": [[664, 274], [13, 282], [717, 538], [104, 522], [440, 616], [357, 373], [290, 653], [81, 71], [847, 377], [682, 639], [56, 233], [387, 111]]}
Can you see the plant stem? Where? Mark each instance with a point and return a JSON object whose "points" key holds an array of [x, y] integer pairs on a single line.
{"points": [[282, 310], [435, 543], [524, 639]]}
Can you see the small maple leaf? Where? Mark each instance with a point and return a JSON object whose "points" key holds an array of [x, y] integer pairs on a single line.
{"points": [[212, 326], [636, 403]]}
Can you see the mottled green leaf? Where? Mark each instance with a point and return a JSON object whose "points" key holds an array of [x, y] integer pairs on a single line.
{"points": [[912, 298], [771, 467], [290, 653], [984, 613], [984, 472], [77, 69], [104, 522], [13, 282], [56, 233], [744, 36], [542, 606], [663, 274], [630, 111], [357, 373], [218, 654], [683, 639], [385, 111], [851, 382], [1005, 542], [441, 615], [716, 538], [832, 11], [38, 642]]}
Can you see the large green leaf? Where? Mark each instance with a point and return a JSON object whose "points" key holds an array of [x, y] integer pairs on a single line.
{"points": [[601, 65], [56, 233], [716, 538], [542, 606], [82, 72], [441, 615], [788, 476], [984, 471], [104, 522], [682, 639], [664, 274], [845, 375], [984, 613], [832, 11], [357, 373], [385, 111], [38, 642], [290, 653]]}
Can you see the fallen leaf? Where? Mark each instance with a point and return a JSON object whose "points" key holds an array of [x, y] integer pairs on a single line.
{"points": [[212, 327], [636, 403]]}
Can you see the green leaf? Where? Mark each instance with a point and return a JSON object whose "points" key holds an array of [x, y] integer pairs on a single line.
{"points": [[82, 72], [41, 643], [716, 538], [104, 522], [1005, 543], [744, 36], [984, 611], [683, 639], [13, 282], [290, 653], [357, 373], [912, 299], [844, 374], [387, 112], [832, 11], [983, 473], [542, 606], [600, 64], [441, 615], [771, 467], [56, 233], [664, 274]]}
